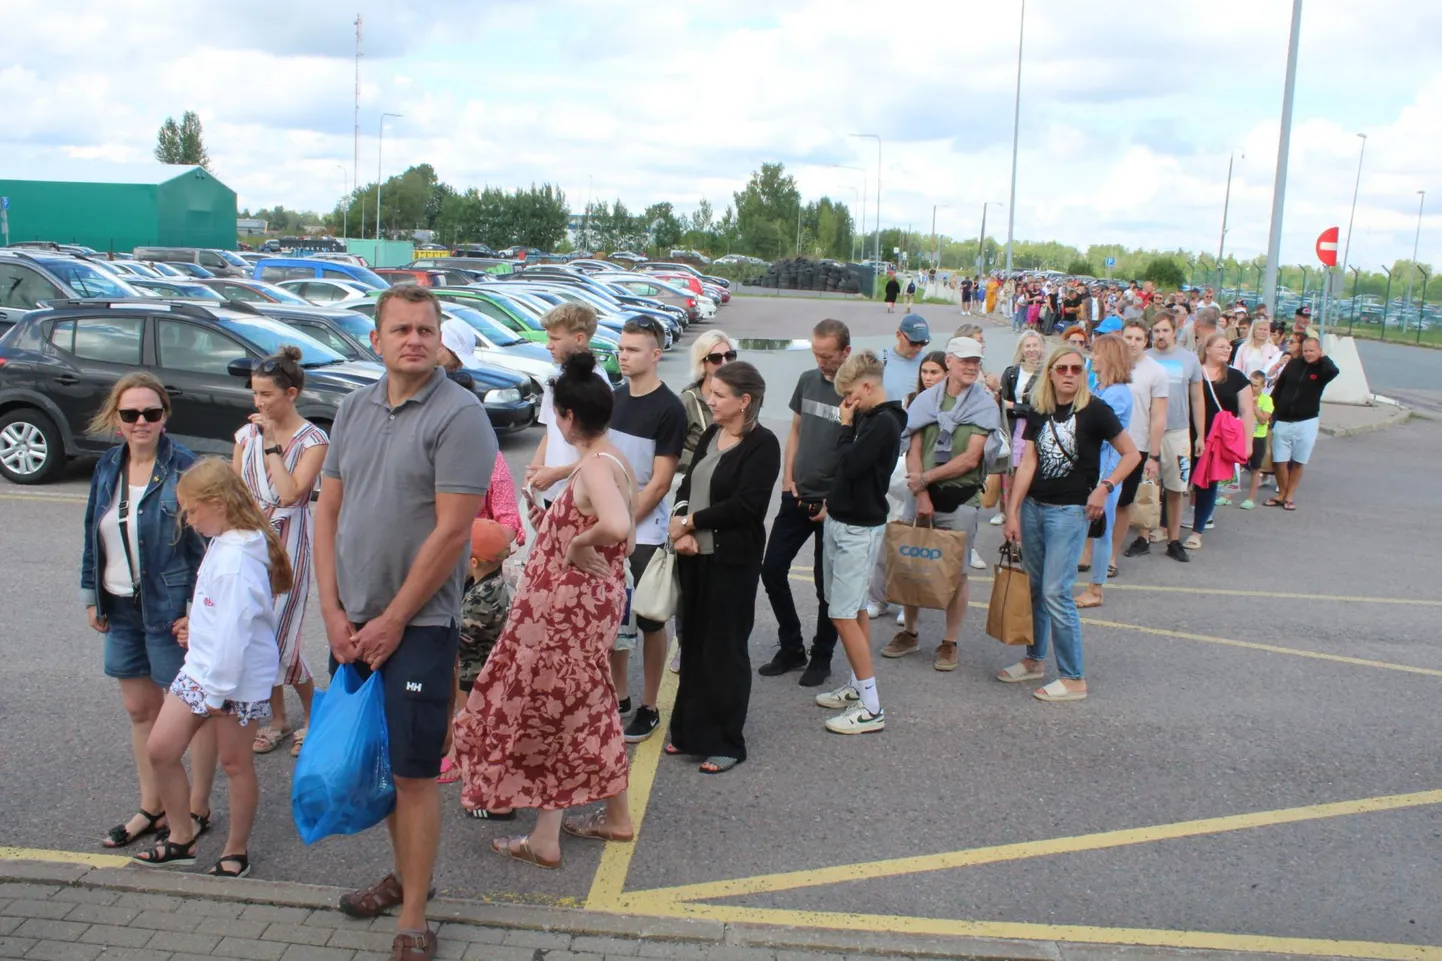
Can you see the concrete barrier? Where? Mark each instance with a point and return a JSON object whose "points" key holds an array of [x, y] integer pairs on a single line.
{"points": [[1351, 386]]}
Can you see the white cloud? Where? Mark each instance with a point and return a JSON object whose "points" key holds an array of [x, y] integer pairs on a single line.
{"points": [[1128, 109]]}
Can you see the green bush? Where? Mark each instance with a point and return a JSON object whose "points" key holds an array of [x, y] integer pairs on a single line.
{"points": [[1080, 268], [1165, 273], [742, 273]]}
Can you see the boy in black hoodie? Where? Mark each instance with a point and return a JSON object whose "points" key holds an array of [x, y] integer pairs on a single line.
{"points": [[855, 526]]}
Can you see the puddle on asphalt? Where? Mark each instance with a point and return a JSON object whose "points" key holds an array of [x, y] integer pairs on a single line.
{"points": [[767, 343]]}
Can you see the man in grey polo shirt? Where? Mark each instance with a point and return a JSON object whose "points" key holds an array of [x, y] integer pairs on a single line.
{"points": [[405, 475]]}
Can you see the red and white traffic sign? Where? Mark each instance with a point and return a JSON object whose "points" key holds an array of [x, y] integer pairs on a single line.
{"points": [[1327, 247]]}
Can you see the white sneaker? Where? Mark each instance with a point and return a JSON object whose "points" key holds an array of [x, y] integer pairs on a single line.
{"points": [[874, 611], [858, 720], [843, 697], [901, 618], [997, 520], [976, 562]]}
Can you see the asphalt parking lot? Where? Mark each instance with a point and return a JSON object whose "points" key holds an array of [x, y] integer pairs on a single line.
{"points": [[1256, 768]]}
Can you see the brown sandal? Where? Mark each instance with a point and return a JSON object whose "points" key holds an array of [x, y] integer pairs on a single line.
{"points": [[593, 826], [522, 852], [377, 899], [414, 946]]}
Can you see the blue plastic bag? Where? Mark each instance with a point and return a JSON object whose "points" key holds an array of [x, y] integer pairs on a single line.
{"points": [[342, 782]]}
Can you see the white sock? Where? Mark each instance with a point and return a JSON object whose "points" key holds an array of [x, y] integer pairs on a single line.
{"points": [[869, 698]]}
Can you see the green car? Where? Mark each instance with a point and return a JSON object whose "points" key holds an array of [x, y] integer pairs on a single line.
{"points": [[525, 323]]}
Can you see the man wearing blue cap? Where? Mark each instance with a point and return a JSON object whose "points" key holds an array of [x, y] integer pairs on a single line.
{"points": [[903, 362]]}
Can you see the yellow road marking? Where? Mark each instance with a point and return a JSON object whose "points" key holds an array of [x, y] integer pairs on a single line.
{"points": [[64, 857], [1207, 940], [610, 878], [896, 867], [1273, 595], [54, 498]]}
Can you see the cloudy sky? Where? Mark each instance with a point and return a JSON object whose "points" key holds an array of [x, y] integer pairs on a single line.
{"points": [[1129, 107]]}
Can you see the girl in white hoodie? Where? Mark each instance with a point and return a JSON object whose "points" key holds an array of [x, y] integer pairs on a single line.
{"points": [[230, 662]]}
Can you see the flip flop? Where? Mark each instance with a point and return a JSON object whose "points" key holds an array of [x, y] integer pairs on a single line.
{"points": [[450, 772], [1018, 672], [522, 852], [594, 827], [1289, 505], [1057, 691], [1272, 502]]}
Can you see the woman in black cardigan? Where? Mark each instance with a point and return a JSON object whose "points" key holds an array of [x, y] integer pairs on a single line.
{"points": [[719, 544]]}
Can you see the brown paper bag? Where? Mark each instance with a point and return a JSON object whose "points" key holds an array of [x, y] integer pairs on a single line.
{"points": [[992, 494], [924, 566], [1147, 507], [1008, 618]]}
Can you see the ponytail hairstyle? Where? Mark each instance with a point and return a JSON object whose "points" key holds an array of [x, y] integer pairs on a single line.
{"points": [[212, 480]]}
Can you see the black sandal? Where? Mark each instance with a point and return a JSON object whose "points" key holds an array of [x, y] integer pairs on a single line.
{"points": [[119, 837], [202, 823], [168, 852], [221, 871]]}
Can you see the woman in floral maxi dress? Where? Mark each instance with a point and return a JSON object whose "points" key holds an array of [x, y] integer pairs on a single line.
{"points": [[541, 728]]}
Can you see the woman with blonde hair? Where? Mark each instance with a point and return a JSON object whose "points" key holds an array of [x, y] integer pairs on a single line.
{"points": [[709, 352], [1057, 492], [137, 572], [1112, 362]]}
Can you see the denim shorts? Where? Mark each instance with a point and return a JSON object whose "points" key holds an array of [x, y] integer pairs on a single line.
{"points": [[1293, 441], [851, 553], [131, 651]]}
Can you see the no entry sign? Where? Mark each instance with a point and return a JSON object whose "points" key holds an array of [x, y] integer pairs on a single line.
{"points": [[1327, 247]]}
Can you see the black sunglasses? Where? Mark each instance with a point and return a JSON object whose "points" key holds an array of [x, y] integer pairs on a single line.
{"points": [[717, 358], [152, 415]]}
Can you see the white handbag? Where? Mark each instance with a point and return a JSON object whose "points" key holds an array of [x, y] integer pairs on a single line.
{"points": [[658, 592]]}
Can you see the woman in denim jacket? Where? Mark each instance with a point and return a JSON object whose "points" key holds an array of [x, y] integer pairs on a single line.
{"points": [[139, 601]]}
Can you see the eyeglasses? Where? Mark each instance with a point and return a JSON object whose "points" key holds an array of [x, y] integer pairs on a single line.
{"points": [[1077, 343], [720, 358], [1065, 369], [271, 367], [152, 415]]}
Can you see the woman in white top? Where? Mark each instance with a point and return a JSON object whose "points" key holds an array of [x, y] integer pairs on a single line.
{"points": [[230, 661], [279, 455], [1258, 352]]}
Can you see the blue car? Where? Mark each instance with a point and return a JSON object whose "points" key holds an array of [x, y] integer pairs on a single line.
{"points": [[276, 269]]}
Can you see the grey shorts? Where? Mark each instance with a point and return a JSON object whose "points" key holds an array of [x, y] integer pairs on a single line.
{"points": [[850, 552]]}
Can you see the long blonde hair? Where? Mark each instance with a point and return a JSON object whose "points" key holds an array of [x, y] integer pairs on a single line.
{"points": [[1018, 358], [1046, 393], [701, 347], [211, 479]]}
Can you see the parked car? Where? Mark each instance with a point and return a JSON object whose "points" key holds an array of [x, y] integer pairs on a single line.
{"points": [[220, 263], [705, 306], [512, 400], [522, 253], [190, 270], [166, 270], [474, 250], [613, 313], [644, 285], [482, 265], [126, 269], [629, 257], [60, 362], [329, 291], [32, 276], [681, 268], [525, 322], [276, 269], [252, 291], [406, 275], [175, 288]]}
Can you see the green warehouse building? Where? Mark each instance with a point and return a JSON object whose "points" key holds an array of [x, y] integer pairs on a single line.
{"points": [[119, 206]]}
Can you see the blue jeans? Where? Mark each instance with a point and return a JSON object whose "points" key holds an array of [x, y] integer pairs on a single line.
{"points": [[1018, 319], [1052, 537], [1206, 506], [1102, 546]]}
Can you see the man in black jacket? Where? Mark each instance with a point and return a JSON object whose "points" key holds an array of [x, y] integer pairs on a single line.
{"points": [[1295, 420], [855, 525]]}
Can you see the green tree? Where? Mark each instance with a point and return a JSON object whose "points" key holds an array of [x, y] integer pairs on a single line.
{"points": [[766, 211], [1165, 273], [664, 229], [1080, 268], [182, 143]]}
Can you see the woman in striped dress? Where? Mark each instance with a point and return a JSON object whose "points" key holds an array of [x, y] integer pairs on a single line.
{"points": [[279, 456]]}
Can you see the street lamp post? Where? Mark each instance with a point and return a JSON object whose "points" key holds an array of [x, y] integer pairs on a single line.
{"points": [[380, 143], [1284, 143], [862, 171], [1227, 203], [877, 138], [345, 211], [1015, 133], [1386, 302], [1347, 247], [935, 250], [981, 245], [1421, 199]]}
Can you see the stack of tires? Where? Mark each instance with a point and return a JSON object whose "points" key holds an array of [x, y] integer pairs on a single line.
{"points": [[799, 273]]}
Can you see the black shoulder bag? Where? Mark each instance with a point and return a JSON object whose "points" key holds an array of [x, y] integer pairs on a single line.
{"points": [[123, 510], [1097, 527]]}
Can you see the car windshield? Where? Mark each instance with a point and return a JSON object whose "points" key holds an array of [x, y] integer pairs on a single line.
{"points": [[280, 294], [233, 259], [367, 277], [87, 280], [271, 335], [356, 324], [165, 289], [528, 315], [492, 331]]}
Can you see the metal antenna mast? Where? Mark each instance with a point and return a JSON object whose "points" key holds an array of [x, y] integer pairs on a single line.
{"points": [[355, 161]]}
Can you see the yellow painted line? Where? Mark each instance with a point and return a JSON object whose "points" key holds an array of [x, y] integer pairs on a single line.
{"points": [[1269, 648], [896, 867], [610, 878], [53, 498], [64, 857], [1012, 930], [1275, 595]]}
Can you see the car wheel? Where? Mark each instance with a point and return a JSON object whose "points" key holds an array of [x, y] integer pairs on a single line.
{"points": [[31, 448]]}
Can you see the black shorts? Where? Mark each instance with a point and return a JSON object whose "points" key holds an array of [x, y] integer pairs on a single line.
{"points": [[418, 679], [1132, 482], [640, 557], [1259, 453]]}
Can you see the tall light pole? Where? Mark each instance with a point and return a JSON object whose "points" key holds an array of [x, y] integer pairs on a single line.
{"points": [[1284, 142], [981, 245], [380, 143], [1015, 134], [345, 211], [1347, 247], [862, 171], [1412, 269], [872, 136], [1227, 203], [935, 250]]}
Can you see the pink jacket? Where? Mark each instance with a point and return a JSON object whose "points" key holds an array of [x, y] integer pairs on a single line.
{"points": [[1227, 446], [501, 505]]}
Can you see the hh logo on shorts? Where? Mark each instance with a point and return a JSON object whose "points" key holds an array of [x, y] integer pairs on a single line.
{"points": [[930, 553], [413, 687]]}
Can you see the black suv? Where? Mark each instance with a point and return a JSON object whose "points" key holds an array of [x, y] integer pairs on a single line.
{"points": [[30, 277], [58, 364]]}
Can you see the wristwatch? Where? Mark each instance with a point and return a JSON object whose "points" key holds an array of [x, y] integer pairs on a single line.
{"points": [[276, 449], [688, 523], [1155, 457], [1108, 485]]}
